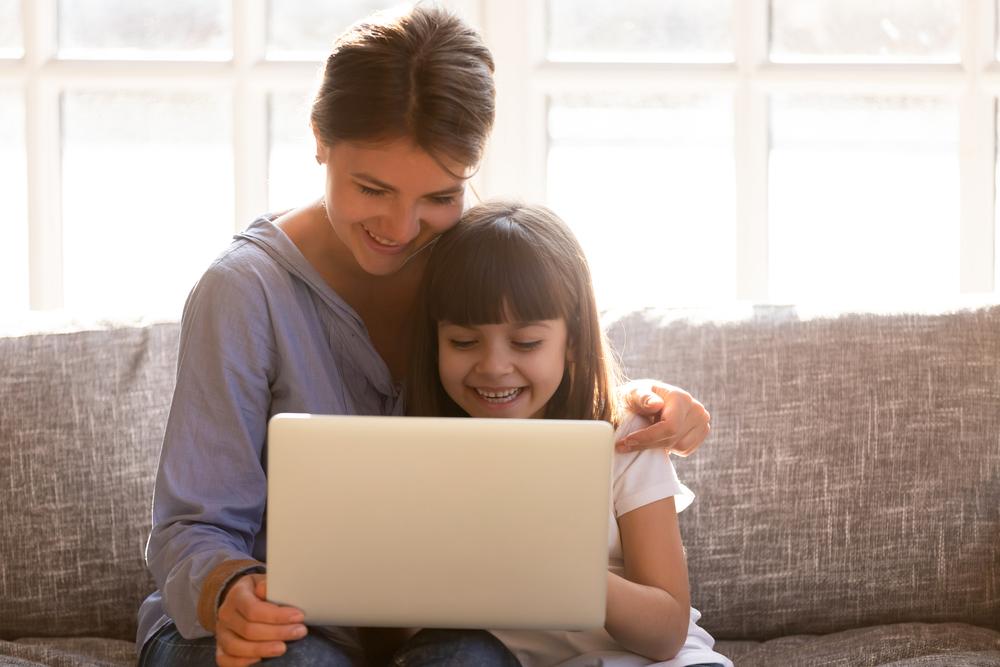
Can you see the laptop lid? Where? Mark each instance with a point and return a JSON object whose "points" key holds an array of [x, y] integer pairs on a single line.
{"points": [[434, 522]]}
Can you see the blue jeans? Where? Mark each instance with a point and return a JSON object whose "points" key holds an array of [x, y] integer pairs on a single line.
{"points": [[475, 648]]}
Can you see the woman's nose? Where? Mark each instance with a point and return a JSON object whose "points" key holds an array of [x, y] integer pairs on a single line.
{"points": [[405, 223]]}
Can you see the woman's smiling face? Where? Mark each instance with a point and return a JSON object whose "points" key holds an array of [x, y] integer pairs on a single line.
{"points": [[386, 201], [510, 369]]}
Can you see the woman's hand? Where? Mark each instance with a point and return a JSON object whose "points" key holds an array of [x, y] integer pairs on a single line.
{"points": [[249, 628], [680, 423]]}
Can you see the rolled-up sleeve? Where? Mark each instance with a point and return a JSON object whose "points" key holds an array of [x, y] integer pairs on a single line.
{"points": [[211, 489]]}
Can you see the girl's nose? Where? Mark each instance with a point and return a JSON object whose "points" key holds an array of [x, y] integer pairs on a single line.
{"points": [[494, 362]]}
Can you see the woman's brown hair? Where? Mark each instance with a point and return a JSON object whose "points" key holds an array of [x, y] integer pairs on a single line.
{"points": [[425, 75], [508, 261]]}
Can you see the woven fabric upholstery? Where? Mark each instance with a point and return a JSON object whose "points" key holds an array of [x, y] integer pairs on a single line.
{"points": [[83, 417], [850, 485], [904, 645], [852, 475], [68, 652]]}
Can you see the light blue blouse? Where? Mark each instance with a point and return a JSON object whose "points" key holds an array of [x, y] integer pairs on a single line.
{"points": [[262, 333]]}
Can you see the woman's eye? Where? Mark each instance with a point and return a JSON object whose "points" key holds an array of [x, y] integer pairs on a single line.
{"points": [[527, 344], [371, 192], [444, 200], [461, 344]]}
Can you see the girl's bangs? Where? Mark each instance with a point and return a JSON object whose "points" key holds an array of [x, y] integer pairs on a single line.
{"points": [[496, 279]]}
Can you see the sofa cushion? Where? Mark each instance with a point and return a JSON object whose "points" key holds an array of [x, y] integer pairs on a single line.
{"points": [[851, 476], [68, 652], [83, 416], [901, 645]]}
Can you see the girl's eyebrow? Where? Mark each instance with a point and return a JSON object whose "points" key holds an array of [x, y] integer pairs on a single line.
{"points": [[517, 325]]}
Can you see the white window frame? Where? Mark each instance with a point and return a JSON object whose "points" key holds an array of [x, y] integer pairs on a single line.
{"points": [[515, 164], [43, 78], [516, 31]]}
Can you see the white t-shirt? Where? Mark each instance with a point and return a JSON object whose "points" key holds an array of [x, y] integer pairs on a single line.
{"points": [[640, 478]]}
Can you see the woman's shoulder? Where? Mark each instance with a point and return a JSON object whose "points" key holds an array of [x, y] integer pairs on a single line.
{"points": [[244, 285], [240, 275], [244, 269]]}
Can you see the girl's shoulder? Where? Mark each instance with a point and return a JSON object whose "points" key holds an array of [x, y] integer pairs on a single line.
{"points": [[643, 476], [630, 423]]}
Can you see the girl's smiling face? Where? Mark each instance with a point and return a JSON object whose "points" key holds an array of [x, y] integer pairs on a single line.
{"points": [[507, 370]]}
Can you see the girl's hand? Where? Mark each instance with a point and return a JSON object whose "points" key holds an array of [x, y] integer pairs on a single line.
{"points": [[680, 423], [249, 628]]}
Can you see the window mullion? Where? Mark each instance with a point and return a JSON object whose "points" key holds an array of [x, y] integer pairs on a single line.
{"points": [[978, 151], [751, 27], [250, 113], [515, 161], [43, 148]]}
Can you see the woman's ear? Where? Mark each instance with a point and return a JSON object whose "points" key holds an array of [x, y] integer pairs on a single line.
{"points": [[322, 150]]}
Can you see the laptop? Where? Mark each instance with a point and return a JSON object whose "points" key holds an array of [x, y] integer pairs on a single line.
{"points": [[437, 522]]}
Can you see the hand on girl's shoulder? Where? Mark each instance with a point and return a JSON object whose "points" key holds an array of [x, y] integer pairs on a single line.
{"points": [[630, 423]]}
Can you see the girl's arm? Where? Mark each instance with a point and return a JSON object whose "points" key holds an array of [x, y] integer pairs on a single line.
{"points": [[648, 610]]}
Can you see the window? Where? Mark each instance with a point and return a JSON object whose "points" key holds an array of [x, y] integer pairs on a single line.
{"points": [[837, 150], [864, 198], [14, 231], [146, 178], [144, 29], [765, 150], [647, 181]]}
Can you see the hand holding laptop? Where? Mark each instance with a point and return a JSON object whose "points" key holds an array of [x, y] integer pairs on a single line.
{"points": [[248, 626]]}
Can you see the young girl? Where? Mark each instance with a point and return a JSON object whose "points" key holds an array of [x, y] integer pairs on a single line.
{"points": [[507, 326]]}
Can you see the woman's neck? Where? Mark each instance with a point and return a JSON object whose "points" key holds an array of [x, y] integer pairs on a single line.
{"points": [[384, 303]]}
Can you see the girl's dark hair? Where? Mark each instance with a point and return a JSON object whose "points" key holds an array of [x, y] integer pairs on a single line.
{"points": [[506, 261], [424, 75]]}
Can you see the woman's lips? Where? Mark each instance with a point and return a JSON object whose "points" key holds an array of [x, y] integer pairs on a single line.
{"points": [[383, 245]]}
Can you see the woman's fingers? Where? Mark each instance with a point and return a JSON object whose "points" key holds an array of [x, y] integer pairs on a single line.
{"points": [[232, 645], [263, 632], [681, 422], [249, 628], [689, 442], [246, 600]]}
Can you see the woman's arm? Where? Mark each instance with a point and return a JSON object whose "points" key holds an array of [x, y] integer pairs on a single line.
{"points": [[648, 610]]}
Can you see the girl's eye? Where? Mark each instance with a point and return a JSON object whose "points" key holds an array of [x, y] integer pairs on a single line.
{"points": [[527, 344], [444, 200], [371, 192], [461, 344]]}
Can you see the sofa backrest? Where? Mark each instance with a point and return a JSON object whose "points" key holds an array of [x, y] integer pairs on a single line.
{"points": [[81, 422], [852, 476], [853, 472]]}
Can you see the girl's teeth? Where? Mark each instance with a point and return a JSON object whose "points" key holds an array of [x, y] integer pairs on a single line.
{"points": [[499, 396]]}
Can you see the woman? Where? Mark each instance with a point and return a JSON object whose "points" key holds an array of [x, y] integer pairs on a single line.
{"points": [[311, 312]]}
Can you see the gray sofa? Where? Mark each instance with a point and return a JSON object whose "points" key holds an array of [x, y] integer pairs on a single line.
{"points": [[848, 506]]}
